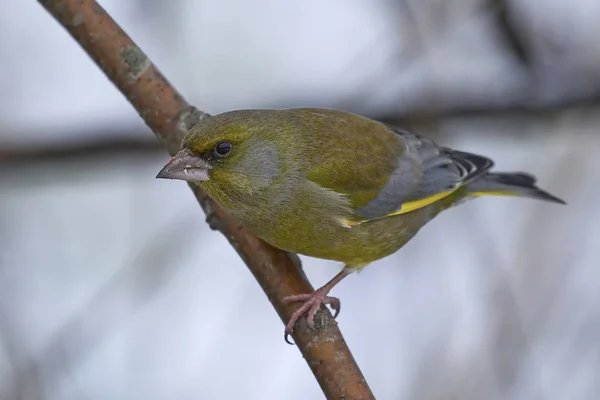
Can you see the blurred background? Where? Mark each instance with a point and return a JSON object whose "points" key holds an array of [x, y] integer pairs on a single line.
{"points": [[113, 287]]}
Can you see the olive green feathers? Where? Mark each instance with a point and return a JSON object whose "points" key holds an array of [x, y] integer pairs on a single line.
{"points": [[331, 184]]}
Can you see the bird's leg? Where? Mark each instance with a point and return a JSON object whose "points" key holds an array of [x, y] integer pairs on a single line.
{"points": [[313, 301]]}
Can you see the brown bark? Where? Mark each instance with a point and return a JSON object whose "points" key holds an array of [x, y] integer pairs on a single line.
{"points": [[169, 116]]}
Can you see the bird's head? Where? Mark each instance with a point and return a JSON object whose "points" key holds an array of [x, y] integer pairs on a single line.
{"points": [[235, 152]]}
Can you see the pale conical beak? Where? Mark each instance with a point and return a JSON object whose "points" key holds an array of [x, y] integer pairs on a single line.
{"points": [[185, 166]]}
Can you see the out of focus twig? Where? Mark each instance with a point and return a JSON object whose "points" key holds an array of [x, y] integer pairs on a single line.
{"points": [[424, 115], [425, 122], [510, 34], [169, 116], [95, 321], [22, 387], [74, 151]]}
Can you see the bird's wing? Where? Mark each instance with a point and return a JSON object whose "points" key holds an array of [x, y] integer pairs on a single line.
{"points": [[425, 173], [422, 174]]}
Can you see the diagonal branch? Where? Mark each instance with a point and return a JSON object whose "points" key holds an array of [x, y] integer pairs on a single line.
{"points": [[169, 116]]}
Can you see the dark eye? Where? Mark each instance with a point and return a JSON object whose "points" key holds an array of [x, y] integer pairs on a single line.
{"points": [[222, 148]]}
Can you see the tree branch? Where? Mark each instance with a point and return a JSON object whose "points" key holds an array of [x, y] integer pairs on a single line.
{"points": [[126, 143], [510, 34], [86, 149], [169, 116]]}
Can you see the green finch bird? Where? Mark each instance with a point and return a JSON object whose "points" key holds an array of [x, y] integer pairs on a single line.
{"points": [[331, 184]]}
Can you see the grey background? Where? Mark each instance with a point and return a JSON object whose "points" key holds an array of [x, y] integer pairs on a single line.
{"points": [[113, 287]]}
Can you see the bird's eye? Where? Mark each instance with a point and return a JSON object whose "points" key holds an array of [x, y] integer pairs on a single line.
{"points": [[222, 149]]}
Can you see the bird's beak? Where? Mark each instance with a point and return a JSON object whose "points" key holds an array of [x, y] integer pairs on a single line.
{"points": [[185, 166]]}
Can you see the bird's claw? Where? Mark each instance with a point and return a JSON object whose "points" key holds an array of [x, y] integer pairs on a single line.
{"points": [[312, 303]]}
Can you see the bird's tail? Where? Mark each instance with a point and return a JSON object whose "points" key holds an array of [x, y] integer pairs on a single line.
{"points": [[509, 184]]}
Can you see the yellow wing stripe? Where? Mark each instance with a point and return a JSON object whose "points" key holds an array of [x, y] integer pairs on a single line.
{"points": [[346, 223], [404, 208], [416, 204], [494, 193]]}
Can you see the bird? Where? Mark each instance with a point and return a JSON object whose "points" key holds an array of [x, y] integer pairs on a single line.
{"points": [[332, 184]]}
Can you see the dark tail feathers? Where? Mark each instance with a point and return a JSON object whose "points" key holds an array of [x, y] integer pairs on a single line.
{"points": [[509, 184]]}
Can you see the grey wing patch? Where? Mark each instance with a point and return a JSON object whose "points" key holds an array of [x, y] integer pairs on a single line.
{"points": [[470, 165], [423, 170]]}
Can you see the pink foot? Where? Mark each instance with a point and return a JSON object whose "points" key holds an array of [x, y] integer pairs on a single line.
{"points": [[312, 303]]}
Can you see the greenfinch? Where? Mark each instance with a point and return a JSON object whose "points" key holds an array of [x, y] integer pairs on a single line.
{"points": [[331, 184]]}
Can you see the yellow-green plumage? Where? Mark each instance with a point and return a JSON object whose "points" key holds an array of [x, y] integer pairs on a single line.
{"points": [[322, 165], [331, 184]]}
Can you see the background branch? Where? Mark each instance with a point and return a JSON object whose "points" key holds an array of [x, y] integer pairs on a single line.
{"points": [[509, 32], [168, 115], [130, 142]]}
